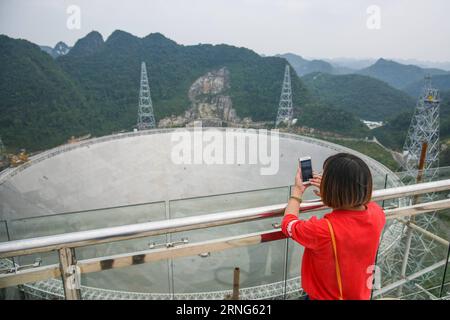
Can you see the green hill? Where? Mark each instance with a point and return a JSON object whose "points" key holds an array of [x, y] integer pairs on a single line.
{"points": [[91, 43], [94, 88], [331, 119], [365, 97], [398, 75], [39, 102], [393, 134], [110, 75], [441, 82]]}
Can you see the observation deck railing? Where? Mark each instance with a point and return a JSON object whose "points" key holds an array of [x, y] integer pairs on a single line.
{"points": [[69, 269]]}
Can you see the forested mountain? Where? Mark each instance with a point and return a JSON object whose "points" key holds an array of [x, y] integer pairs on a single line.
{"points": [[39, 102], [393, 134], [327, 118], [366, 97], [303, 66], [110, 75], [440, 82], [94, 88], [398, 75], [91, 43]]}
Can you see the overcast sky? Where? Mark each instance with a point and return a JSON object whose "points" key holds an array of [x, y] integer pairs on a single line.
{"points": [[409, 29]]}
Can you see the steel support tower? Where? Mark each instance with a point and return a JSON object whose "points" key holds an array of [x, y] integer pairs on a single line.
{"points": [[424, 127], [146, 118], [285, 108], [423, 132]]}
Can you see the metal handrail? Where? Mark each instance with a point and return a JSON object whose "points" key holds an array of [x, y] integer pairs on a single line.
{"points": [[111, 234], [128, 259]]}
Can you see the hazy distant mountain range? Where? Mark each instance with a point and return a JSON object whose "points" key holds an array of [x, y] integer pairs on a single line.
{"points": [[303, 66], [357, 64], [351, 63], [399, 75], [409, 78], [425, 64], [378, 90]]}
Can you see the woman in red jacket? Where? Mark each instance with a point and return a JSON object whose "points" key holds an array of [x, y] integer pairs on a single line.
{"points": [[340, 249]]}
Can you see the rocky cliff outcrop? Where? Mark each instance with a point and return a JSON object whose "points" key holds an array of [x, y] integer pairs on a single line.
{"points": [[210, 103]]}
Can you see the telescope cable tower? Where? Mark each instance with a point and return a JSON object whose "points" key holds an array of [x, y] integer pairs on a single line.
{"points": [[146, 118], [422, 137], [424, 127], [285, 109]]}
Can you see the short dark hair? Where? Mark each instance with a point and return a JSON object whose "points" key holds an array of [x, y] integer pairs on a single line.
{"points": [[346, 181]]}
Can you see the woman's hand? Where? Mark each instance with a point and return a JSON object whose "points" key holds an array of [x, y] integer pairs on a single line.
{"points": [[296, 191], [316, 181], [299, 187]]}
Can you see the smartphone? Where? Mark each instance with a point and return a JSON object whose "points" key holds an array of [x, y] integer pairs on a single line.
{"points": [[306, 166]]}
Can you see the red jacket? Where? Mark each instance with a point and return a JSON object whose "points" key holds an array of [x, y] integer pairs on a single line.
{"points": [[357, 238]]}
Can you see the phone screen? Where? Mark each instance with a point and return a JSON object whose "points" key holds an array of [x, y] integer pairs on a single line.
{"points": [[306, 170]]}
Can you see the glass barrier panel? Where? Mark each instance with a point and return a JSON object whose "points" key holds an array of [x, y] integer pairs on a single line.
{"points": [[230, 202], [431, 174], [3, 231], [104, 283], [135, 281], [444, 291], [423, 252], [210, 274], [79, 221], [425, 263], [6, 266], [138, 281], [444, 232], [84, 220]]}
